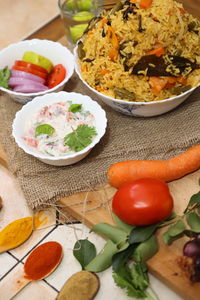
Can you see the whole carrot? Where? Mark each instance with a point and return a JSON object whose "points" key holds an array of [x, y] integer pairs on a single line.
{"points": [[166, 170]]}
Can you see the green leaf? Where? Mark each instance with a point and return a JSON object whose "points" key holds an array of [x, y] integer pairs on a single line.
{"points": [[116, 235], [119, 259], [195, 199], [122, 225], [123, 283], [104, 259], [193, 221], [80, 138], [75, 107], [139, 277], [84, 251], [4, 77], [141, 234], [174, 232], [146, 250], [44, 129]]}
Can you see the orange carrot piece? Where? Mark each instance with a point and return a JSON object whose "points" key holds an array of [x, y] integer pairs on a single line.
{"points": [[113, 54], [182, 80], [166, 170], [84, 68], [145, 3], [112, 37], [157, 51], [157, 84], [104, 72], [103, 22], [100, 89]]}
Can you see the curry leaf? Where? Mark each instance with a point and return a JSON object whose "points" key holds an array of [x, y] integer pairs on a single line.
{"points": [[195, 199], [104, 259], [146, 250], [122, 225], [113, 233], [193, 221], [84, 251], [141, 234], [120, 258], [174, 232]]}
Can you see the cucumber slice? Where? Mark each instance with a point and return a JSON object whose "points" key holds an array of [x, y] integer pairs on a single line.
{"points": [[38, 59], [77, 31], [83, 16], [84, 5], [69, 5]]}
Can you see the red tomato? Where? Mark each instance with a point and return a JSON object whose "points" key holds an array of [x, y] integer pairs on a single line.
{"points": [[143, 202], [21, 63], [56, 76], [32, 71]]}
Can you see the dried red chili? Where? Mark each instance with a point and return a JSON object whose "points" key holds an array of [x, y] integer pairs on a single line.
{"points": [[43, 260]]}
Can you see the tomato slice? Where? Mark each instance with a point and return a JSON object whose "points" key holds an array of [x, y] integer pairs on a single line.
{"points": [[56, 76], [28, 65], [32, 71]]}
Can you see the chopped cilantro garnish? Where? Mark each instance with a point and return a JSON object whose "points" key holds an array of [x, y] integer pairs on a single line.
{"points": [[80, 138], [4, 77], [75, 107]]}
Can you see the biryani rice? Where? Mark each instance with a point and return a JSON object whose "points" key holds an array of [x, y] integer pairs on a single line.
{"points": [[165, 23]]}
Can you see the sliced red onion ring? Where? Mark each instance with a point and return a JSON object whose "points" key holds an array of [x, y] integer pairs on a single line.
{"points": [[21, 74], [13, 81], [30, 88]]}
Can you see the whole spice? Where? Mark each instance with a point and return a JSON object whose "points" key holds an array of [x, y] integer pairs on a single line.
{"points": [[83, 285], [15, 233], [43, 260]]}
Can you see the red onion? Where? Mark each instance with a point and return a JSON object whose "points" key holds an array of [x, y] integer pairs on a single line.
{"points": [[191, 248], [21, 74], [14, 81], [30, 88]]}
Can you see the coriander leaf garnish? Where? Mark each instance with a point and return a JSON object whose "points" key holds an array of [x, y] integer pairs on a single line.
{"points": [[4, 77], [75, 107], [80, 138], [44, 129]]}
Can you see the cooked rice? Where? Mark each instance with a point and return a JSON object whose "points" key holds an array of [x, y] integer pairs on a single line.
{"points": [[165, 23]]}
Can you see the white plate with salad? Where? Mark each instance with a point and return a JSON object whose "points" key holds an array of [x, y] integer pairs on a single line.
{"points": [[34, 67]]}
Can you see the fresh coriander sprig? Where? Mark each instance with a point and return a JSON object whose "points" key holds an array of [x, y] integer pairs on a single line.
{"points": [[80, 138], [4, 77]]}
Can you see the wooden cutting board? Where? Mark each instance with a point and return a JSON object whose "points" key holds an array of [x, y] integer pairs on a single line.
{"points": [[168, 264]]}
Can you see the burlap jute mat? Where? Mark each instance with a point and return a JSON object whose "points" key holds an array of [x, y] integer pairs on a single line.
{"points": [[126, 138]]}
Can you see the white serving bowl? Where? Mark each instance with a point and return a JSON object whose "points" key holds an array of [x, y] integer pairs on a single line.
{"points": [[37, 103], [54, 51], [136, 109]]}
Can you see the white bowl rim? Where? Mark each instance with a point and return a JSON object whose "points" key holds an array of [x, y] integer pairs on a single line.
{"points": [[68, 74], [64, 157], [125, 101]]}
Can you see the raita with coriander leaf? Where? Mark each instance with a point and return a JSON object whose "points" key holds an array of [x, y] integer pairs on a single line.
{"points": [[60, 129]]}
